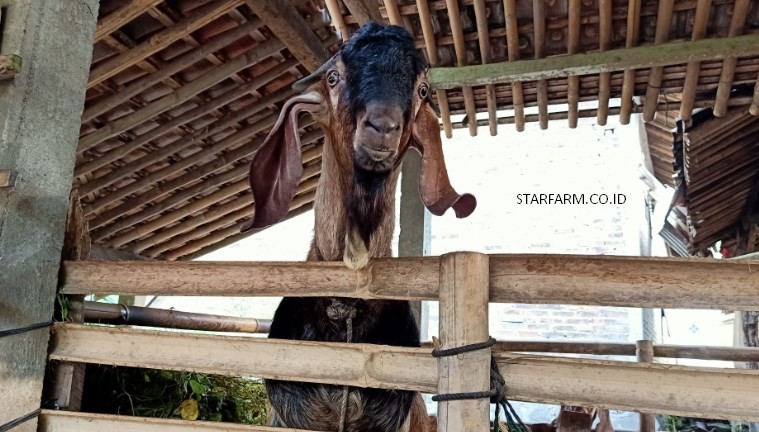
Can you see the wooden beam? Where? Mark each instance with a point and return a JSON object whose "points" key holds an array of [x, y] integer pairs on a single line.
{"points": [[63, 421], [627, 386], [287, 24], [125, 13], [536, 279], [364, 12], [160, 40], [595, 62], [10, 66], [463, 298]]}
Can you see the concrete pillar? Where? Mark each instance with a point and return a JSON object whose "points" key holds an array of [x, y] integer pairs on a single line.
{"points": [[40, 113], [414, 237]]}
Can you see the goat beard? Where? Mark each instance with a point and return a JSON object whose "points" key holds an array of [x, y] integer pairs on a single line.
{"points": [[366, 210]]}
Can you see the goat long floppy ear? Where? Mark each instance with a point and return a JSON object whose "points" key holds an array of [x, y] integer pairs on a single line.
{"points": [[434, 186], [276, 169]]}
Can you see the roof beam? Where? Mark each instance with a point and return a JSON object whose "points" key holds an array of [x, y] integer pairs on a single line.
{"points": [[595, 62], [287, 24], [363, 12]]}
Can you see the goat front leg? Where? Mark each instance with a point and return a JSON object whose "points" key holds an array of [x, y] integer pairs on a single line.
{"points": [[355, 256]]}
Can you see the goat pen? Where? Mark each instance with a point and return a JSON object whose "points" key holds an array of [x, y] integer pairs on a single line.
{"points": [[461, 282]]}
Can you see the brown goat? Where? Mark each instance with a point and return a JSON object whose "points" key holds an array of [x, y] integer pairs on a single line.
{"points": [[373, 102]]}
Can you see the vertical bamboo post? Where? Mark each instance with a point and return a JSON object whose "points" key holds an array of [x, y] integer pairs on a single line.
{"points": [[464, 295], [644, 351]]}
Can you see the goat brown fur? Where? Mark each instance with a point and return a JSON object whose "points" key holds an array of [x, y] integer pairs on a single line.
{"points": [[372, 113]]}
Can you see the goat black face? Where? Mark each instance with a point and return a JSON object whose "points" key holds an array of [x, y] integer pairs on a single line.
{"points": [[380, 77]]}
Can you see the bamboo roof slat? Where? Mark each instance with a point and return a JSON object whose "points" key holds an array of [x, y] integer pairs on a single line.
{"points": [[454, 17], [126, 12], [737, 24], [192, 22], [605, 37], [512, 41], [573, 46], [539, 42], [631, 40], [692, 73], [432, 55], [663, 29], [481, 18]]}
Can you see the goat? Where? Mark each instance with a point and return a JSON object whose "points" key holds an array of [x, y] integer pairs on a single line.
{"points": [[373, 102]]}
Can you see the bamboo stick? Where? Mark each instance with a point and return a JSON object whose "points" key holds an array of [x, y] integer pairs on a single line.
{"points": [[631, 40], [181, 95], [210, 239], [235, 237], [534, 279], [167, 70], [337, 19], [737, 23], [539, 20], [589, 63], [512, 45], [307, 184], [125, 13], [481, 18], [199, 156], [691, 75], [364, 12], [117, 314], [645, 354], [393, 15], [573, 45], [627, 386], [431, 47], [160, 40], [604, 91], [463, 297], [166, 187], [663, 26], [182, 119], [66, 421], [454, 20]]}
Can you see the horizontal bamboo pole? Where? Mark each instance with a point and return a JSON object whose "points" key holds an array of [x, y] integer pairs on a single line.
{"points": [[106, 313], [643, 282], [126, 12], [592, 63], [67, 421], [678, 390]]}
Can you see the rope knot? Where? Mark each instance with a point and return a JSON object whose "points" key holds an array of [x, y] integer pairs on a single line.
{"points": [[339, 311]]}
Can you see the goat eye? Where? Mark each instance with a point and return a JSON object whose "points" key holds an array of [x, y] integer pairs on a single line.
{"points": [[423, 91], [333, 78]]}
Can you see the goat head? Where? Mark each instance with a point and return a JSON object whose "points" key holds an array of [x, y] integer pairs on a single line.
{"points": [[373, 100]]}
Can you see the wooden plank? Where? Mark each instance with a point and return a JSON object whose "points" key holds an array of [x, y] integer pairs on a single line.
{"points": [[287, 24], [595, 62], [628, 386], [128, 11], [160, 40], [463, 298], [10, 66], [364, 12], [63, 421], [691, 283]]}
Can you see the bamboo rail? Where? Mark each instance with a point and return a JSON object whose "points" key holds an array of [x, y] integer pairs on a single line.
{"points": [[67, 421], [697, 283], [678, 390], [645, 354], [668, 54]]}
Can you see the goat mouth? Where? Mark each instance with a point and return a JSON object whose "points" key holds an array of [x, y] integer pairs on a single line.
{"points": [[374, 160], [375, 154]]}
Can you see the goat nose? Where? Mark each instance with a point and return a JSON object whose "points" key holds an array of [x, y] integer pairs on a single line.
{"points": [[384, 120], [383, 125]]}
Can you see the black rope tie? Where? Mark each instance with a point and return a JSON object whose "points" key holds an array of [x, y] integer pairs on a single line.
{"points": [[12, 332], [496, 394], [15, 331]]}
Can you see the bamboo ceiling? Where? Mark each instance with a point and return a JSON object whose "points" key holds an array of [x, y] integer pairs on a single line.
{"points": [[182, 92]]}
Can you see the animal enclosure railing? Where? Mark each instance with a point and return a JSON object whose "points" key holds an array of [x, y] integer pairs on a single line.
{"points": [[463, 283]]}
